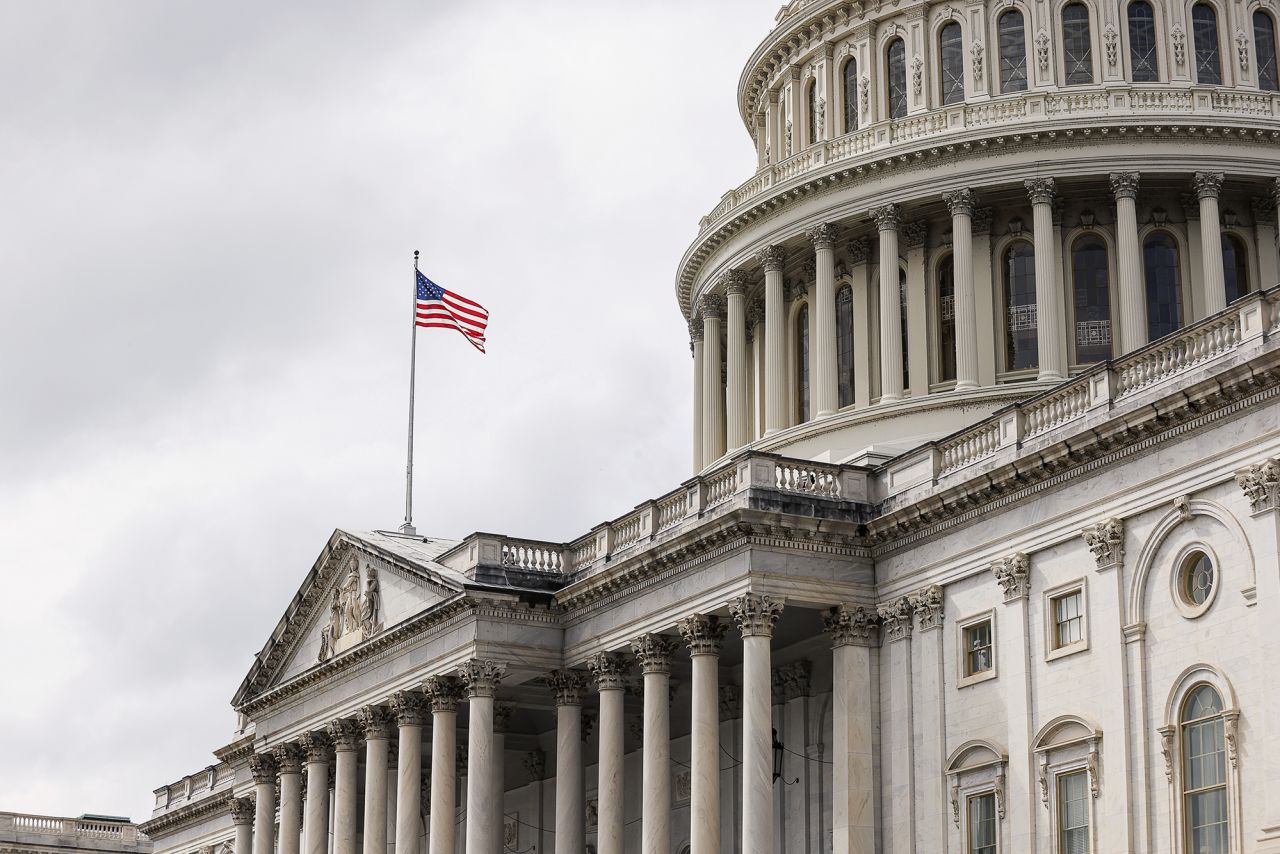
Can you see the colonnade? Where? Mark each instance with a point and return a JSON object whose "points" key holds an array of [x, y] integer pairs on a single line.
{"points": [[722, 405]]}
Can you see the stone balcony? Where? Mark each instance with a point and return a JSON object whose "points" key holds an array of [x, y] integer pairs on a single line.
{"points": [[87, 832]]}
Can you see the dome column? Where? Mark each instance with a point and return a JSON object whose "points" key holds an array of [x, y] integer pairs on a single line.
{"points": [[960, 203], [1048, 318], [654, 655], [756, 616], [823, 366], [695, 346], [886, 218], [738, 429], [1208, 186], [609, 670], [1133, 299], [712, 309], [775, 336], [859, 257]]}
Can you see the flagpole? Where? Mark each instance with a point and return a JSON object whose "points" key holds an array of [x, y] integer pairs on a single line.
{"points": [[407, 527]]}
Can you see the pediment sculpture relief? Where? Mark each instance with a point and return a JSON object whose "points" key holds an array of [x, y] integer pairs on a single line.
{"points": [[355, 612]]}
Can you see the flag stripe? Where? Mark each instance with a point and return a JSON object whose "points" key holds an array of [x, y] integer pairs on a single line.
{"points": [[437, 308]]}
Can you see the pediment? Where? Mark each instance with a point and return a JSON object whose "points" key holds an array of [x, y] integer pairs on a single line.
{"points": [[975, 754], [361, 585]]}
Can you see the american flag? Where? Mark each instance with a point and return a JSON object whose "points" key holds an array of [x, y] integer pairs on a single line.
{"points": [[437, 307]]}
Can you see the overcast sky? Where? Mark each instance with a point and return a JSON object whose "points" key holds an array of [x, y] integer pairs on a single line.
{"points": [[207, 219]]}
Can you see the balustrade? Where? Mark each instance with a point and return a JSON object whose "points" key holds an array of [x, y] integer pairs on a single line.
{"points": [[531, 556], [970, 446], [1046, 413]]}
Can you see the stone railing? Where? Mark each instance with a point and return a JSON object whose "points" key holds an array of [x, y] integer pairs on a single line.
{"points": [[88, 827]]}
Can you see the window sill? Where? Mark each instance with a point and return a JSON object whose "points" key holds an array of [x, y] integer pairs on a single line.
{"points": [[1069, 649], [984, 676]]}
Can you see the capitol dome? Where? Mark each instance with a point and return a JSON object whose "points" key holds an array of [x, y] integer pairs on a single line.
{"points": [[1136, 142]]}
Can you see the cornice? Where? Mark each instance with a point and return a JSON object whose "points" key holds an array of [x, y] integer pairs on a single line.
{"points": [[214, 804]]}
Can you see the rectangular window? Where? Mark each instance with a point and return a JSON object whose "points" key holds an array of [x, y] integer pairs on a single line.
{"points": [[977, 645], [1068, 617], [982, 824], [1073, 813]]}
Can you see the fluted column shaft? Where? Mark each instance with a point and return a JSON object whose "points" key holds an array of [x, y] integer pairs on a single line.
{"points": [[483, 820], [1048, 319], [775, 341], [377, 722], [738, 429], [1131, 332], [443, 692], [824, 381], [886, 218], [263, 766], [703, 635], [609, 669], [570, 801], [654, 654], [289, 758], [315, 827], [346, 782], [712, 381], [965, 299], [411, 710], [1208, 185], [756, 616], [695, 344]]}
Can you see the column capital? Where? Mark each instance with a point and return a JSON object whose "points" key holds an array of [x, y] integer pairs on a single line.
{"points": [[886, 217], [859, 249], [959, 202], [1260, 484], [609, 670], [755, 312], [289, 757], [376, 722], [704, 635], [850, 625], [567, 685], [1124, 185], [711, 307], [755, 614], [443, 692], [242, 811], [1040, 190], [771, 258], [928, 607], [895, 618], [345, 734], [1013, 573], [736, 282], [982, 220], [318, 746], [654, 653], [695, 328], [410, 708], [482, 676], [823, 236], [1208, 184], [263, 767], [914, 234], [1106, 541]]}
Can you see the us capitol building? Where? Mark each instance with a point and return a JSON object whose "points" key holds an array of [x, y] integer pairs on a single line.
{"points": [[980, 552]]}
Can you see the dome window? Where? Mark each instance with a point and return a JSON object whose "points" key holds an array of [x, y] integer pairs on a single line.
{"points": [[1204, 24], [1077, 45], [1013, 52], [1264, 48], [951, 50], [897, 93], [1142, 42]]}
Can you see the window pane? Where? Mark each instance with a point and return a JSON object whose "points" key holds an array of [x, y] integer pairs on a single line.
{"points": [[1077, 50], [1264, 45], [1069, 618], [802, 335], [1203, 703], [1013, 52], [1073, 812], [897, 79], [850, 96], [1164, 285], [844, 344], [1207, 822], [951, 48], [946, 320], [814, 133], [982, 824], [1020, 307], [1142, 42], [978, 648], [1204, 24], [1235, 267], [1092, 287], [1197, 581]]}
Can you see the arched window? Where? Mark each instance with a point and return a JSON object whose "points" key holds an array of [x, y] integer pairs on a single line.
{"points": [[851, 95], [811, 99], [1204, 773], [951, 51], [1013, 52], [1264, 46], [902, 315], [1164, 285], [1204, 26], [844, 345], [1235, 267], [897, 91], [1077, 46], [1020, 307], [802, 361], [1091, 287], [1143, 64], [946, 320]]}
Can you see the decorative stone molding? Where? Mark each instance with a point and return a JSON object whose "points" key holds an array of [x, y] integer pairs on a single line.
{"points": [[850, 625], [917, 76], [755, 614], [791, 681], [1124, 185], [1260, 484], [864, 93], [635, 726], [443, 692], [755, 315], [481, 676], [1183, 505], [263, 767], [1242, 49], [354, 613], [344, 733], [859, 250], [535, 763], [609, 669], [914, 234], [711, 307], [977, 51], [289, 757], [823, 236], [410, 708], [1042, 51], [588, 723], [982, 218], [736, 282], [886, 217], [730, 702], [1231, 730], [819, 131], [1111, 38], [502, 713], [242, 811], [703, 635], [318, 746], [1263, 210], [567, 686], [810, 273], [771, 258], [1166, 749], [376, 722], [1106, 541], [895, 619], [1179, 37], [696, 331], [1014, 576], [928, 607], [460, 756], [653, 652], [959, 202], [1208, 184], [1040, 190]]}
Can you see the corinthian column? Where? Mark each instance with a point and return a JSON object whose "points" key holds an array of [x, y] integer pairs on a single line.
{"points": [[289, 759], [825, 391], [346, 741], [571, 831], [484, 817], [1131, 332], [756, 616], [315, 828], [738, 412], [1048, 320], [609, 668], [699, 393], [263, 767], [712, 309], [654, 655], [242, 818], [410, 708], [376, 723], [1208, 186], [775, 340], [704, 636], [444, 693], [965, 312], [853, 815], [886, 218]]}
